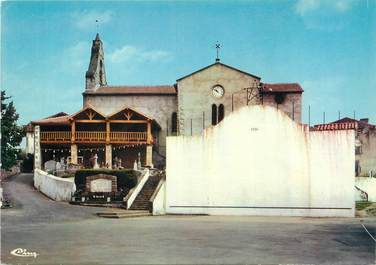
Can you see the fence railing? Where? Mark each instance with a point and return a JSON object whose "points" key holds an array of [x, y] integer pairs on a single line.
{"points": [[90, 136], [93, 137], [119, 137], [57, 136]]}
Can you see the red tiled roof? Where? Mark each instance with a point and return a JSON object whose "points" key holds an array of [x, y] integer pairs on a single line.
{"points": [[149, 90], [336, 126], [59, 114], [362, 123], [282, 87], [61, 120]]}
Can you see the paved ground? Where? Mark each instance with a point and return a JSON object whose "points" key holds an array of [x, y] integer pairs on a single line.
{"points": [[66, 234]]}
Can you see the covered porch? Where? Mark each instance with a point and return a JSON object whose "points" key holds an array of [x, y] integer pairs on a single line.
{"points": [[89, 133]]}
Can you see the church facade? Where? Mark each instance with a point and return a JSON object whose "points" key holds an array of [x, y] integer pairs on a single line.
{"points": [[122, 121]]}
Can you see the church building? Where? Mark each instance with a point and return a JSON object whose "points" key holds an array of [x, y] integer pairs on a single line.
{"points": [[121, 122]]}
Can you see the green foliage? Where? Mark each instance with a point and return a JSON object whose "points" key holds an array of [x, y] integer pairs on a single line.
{"points": [[67, 176], [360, 205], [126, 178], [11, 133], [27, 164]]}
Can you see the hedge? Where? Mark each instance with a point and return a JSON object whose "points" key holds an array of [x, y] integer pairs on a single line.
{"points": [[126, 178]]}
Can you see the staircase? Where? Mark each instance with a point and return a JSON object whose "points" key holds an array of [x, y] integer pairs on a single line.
{"points": [[142, 200]]}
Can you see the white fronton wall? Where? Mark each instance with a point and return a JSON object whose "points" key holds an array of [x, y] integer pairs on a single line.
{"points": [[257, 161]]}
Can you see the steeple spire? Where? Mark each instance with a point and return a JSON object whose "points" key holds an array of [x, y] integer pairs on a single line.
{"points": [[96, 74]]}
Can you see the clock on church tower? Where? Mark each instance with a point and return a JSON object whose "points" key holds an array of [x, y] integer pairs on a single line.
{"points": [[218, 91]]}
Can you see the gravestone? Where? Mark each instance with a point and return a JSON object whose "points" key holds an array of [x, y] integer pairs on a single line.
{"points": [[101, 185], [50, 165]]}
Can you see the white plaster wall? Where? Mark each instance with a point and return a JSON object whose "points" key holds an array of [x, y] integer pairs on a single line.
{"points": [[58, 189], [29, 149], [368, 185], [259, 162], [159, 203]]}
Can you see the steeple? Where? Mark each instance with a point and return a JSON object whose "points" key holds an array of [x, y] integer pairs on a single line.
{"points": [[96, 74]]}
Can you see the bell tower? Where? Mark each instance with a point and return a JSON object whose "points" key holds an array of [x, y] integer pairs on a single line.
{"points": [[96, 74]]}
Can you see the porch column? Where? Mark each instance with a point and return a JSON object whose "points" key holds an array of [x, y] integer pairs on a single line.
{"points": [[108, 155], [73, 132], [73, 153], [149, 135], [149, 156], [107, 132], [37, 151]]}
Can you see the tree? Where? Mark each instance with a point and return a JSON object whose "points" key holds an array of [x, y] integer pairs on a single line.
{"points": [[11, 133]]}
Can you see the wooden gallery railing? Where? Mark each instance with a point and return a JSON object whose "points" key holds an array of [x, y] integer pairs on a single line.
{"points": [[86, 136], [131, 137], [93, 137], [55, 137]]}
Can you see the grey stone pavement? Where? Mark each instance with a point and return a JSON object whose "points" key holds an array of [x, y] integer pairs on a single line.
{"points": [[65, 234]]}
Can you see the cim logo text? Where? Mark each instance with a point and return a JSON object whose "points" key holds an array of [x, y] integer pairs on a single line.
{"points": [[23, 252]]}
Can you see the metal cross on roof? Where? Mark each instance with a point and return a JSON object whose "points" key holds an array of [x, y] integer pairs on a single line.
{"points": [[217, 46]]}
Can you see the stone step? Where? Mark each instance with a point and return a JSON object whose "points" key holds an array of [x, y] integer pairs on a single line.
{"points": [[124, 214]]}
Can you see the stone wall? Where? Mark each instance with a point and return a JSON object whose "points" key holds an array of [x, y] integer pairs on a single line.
{"points": [[195, 96], [268, 165], [292, 101], [367, 156], [58, 189]]}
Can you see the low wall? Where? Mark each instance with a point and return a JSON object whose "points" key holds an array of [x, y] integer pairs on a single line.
{"points": [[159, 200], [368, 185], [56, 188], [257, 161]]}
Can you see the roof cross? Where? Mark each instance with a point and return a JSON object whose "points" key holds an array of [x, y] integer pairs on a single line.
{"points": [[217, 46]]}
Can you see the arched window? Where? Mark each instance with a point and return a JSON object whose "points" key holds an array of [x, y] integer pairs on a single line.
{"points": [[174, 122], [214, 114], [221, 113]]}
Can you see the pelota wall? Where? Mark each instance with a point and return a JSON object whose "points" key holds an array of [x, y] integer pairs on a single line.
{"points": [[259, 162]]}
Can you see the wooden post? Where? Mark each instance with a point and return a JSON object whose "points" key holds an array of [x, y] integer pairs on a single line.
{"points": [[73, 131], [107, 132], [150, 137]]}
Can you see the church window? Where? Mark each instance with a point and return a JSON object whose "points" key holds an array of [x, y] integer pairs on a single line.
{"points": [[221, 113], [214, 115], [174, 122]]}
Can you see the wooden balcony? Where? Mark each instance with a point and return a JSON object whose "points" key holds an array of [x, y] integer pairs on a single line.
{"points": [[94, 137], [90, 137], [128, 137], [56, 137]]}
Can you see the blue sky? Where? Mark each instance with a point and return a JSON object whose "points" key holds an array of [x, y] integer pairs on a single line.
{"points": [[327, 46]]}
